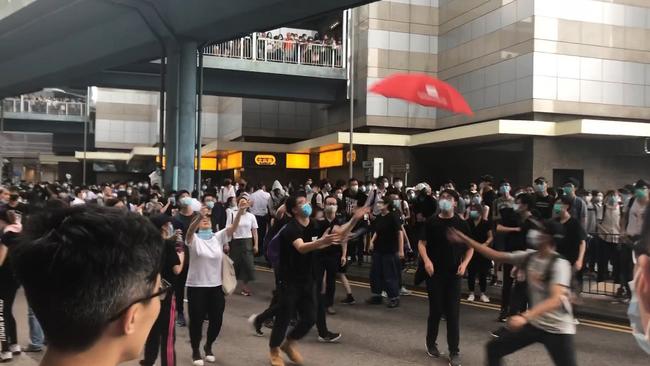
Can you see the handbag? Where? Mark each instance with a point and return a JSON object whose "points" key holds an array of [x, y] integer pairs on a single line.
{"points": [[228, 277]]}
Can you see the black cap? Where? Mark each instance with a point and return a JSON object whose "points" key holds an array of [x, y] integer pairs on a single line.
{"points": [[640, 184], [159, 220]]}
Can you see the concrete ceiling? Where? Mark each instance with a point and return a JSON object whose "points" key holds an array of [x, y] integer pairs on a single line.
{"points": [[50, 42]]}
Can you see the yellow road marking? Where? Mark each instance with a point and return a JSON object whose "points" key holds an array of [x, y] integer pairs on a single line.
{"points": [[421, 294]]}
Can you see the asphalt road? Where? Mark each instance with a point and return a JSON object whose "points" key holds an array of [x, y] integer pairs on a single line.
{"points": [[375, 335]]}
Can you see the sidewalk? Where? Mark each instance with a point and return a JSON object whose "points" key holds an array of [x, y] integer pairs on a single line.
{"points": [[594, 307]]}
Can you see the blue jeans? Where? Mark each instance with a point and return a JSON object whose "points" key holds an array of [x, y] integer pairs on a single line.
{"points": [[36, 337]]}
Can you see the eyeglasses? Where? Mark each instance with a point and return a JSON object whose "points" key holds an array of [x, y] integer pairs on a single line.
{"points": [[163, 291]]}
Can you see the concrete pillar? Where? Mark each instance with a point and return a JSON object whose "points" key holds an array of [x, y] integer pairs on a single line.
{"points": [[180, 129]]}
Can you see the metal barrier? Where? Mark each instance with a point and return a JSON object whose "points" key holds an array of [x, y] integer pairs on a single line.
{"points": [[608, 251], [277, 50], [44, 106]]}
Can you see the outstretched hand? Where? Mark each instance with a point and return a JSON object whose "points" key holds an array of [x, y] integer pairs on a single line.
{"points": [[455, 236], [361, 212]]}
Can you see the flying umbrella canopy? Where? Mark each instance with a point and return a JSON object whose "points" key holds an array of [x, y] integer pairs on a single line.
{"points": [[424, 90]]}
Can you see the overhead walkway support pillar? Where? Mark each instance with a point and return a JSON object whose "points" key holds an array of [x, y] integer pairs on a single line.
{"points": [[180, 129]]}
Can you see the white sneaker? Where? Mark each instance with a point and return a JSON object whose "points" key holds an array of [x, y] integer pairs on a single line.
{"points": [[198, 363], [484, 298], [6, 356], [15, 349], [384, 294], [471, 297], [404, 292], [210, 358]]}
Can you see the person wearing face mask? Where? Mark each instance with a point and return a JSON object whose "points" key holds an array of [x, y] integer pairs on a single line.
{"points": [[204, 282], [295, 276], [578, 205], [543, 201], [79, 197], [631, 224], [445, 263], [376, 195], [488, 195], [353, 197], [181, 221], [321, 191], [215, 210], [244, 245], [479, 266], [327, 262], [398, 184], [574, 245], [592, 222], [387, 248], [549, 320], [639, 309], [227, 191], [477, 200], [609, 230], [9, 286], [163, 335], [503, 204]]}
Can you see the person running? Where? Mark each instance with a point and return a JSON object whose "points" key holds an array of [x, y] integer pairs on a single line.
{"points": [[445, 263], [479, 266], [550, 318], [204, 292], [163, 333], [296, 277], [244, 245], [387, 247], [91, 275]]}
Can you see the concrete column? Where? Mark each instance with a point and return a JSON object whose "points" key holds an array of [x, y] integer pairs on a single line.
{"points": [[180, 129]]}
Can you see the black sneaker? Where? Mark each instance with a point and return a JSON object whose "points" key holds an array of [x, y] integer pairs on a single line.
{"points": [[374, 300], [393, 303], [432, 350], [268, 324], [502, 318], [256, 325], [349, 300], [499, 332], [329, 337], [180, 320], [454, 359]]}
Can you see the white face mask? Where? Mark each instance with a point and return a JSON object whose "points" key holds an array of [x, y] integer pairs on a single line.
{"points": [[534, 238], [386, 184], [399, 185]]}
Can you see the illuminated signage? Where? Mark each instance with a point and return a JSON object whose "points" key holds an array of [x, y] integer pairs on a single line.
{"points": [[330, 159], [265, 160], [298, 161]]}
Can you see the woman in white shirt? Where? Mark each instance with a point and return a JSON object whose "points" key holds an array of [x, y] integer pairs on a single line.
{"points": [[244, 245], [204, 291]]}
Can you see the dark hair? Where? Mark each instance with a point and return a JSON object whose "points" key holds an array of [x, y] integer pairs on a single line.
{"points": [[645, 233], [331, 196], [566, 200], [553, 228], [111, 202], [207, 194], [450, 192], [81, 266], [351, 180], [181, 192], [527, 199], [292, 201]]}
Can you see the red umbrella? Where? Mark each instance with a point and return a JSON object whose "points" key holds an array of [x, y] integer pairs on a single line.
{"points": [[422, 89]]}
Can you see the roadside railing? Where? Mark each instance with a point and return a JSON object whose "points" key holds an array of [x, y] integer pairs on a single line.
{"points": [[277, 50], [44, 106]]}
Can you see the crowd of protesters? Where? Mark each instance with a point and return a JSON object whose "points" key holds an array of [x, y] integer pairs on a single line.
{"points": [[537, 241]]}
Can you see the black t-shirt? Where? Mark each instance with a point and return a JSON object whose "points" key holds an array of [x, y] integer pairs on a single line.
{"points": [[479, 232], [489, 197], [446, 256], [323, 226], [425, 205], [182, 222], [9, 239], [19, 208], [353, 200], [170, 259], [517, 241], [573, 234], [387, 227], [294, 267], [218, 217], [544, 206]]}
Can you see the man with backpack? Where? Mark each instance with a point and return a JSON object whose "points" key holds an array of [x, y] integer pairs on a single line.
{"points": [[550, 318]]}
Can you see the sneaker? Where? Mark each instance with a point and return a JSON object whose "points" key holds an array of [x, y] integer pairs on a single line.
{"points": [[331, 311], [245, 293], [484, 298], [180, 320], [276, 359], [404, 292], [257, 327], [454, 359], [499, 332], [33, 349], [374, 300], [6, 356], [198, 363], [433, 351], [15, 349], [329, 337], [292, 353], [269, 324], [197, 360], [502, 318], [384, 294], [471, 297], [349, 300], [393, 303]]}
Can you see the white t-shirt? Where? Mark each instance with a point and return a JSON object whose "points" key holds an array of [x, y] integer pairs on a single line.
{"points": [[207, 257], [247, 223], [260, 203], [225, 193], [635, 223], [77, 201]]}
